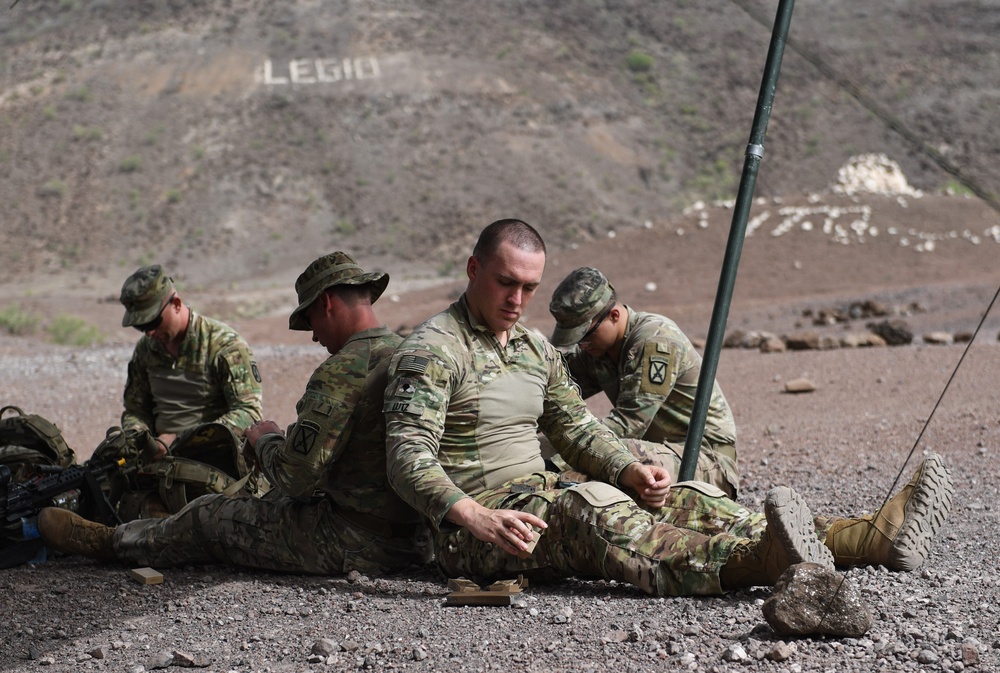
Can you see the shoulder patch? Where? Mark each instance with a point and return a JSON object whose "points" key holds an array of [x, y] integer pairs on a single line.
{"points": [[413, 363], [656, 375], [304, 439], [254, 370]]}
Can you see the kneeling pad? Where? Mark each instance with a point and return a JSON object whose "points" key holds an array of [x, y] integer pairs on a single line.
{"points": [[711, 490], [599, 494]]}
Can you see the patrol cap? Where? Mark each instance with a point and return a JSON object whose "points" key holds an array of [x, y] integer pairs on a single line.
{"points": [[144, 295], [337, 268], [580, 297]]}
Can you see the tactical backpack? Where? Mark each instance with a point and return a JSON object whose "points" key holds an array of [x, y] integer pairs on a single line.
{"points": [[205, 459], [28, 441]]}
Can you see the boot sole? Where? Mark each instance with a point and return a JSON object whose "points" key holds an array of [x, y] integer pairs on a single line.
{"points": [[924, 513], [791, 522]]}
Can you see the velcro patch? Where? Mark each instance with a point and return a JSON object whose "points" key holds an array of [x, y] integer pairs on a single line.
{"points": [[656, 370], [413, 363], [405, 388], [306, 434], [256, 372], [403, 407]]}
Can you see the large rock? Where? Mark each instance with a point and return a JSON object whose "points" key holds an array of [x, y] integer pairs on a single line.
{"points": [[809, 599]]}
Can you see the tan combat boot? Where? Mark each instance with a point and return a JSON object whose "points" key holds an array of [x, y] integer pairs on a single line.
{"points": [[69, 533], [790, 538], [899, 535]]}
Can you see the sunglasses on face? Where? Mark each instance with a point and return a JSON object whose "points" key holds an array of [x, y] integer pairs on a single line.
{"points": [[593, 328], [157, 321]]}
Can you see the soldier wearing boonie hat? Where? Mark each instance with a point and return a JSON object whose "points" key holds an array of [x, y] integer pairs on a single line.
{"points": [[337, 268], [334, 450], [187, 369], [649, 370]]}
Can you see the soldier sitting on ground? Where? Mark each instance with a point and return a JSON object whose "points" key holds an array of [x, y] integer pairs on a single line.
{"points": [[470, 388], [331, 510], [187, 369], [649, 370]]}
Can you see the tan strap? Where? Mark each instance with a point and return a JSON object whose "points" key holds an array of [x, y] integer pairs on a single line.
{"points": [[236, 486]]}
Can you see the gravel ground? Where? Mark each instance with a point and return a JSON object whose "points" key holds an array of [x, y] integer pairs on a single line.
{"points": [[844, 446], [841, 446]]}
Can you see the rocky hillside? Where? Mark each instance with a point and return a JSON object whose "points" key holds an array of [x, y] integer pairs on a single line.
{"points": [[233, 139]]}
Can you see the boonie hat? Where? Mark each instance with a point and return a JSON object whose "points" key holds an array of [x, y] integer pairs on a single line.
{"points": [[337, 268], [576, 302], [144, 295]]}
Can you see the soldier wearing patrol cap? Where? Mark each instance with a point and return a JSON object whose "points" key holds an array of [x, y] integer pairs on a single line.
{"points": [[649, 370], [187, 369], [331, 510]]}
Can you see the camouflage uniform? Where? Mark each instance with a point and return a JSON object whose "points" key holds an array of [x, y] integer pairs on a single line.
{"points": [[652, 386], [336, 449], [213, 378], [462, 415]]}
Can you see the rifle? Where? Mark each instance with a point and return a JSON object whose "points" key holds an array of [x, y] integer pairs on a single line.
{"points": [[78, 487]]}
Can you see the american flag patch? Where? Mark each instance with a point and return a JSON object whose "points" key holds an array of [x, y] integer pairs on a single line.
{"points": [[413, 363]]}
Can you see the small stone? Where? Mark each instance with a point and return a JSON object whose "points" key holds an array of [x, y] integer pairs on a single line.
{"points": [[650, 287], [325, 646], [772, 345], [781, 651], [614, 637], [160, 660], [928, 657], [97, 653], [942, 338], [970, 654], [735, 653], [801, 341], [419, 654], [801, 385]]}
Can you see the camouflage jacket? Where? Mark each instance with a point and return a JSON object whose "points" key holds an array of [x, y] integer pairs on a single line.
{"points": [[463, 413], [337, 443], [653, 384], [213, 378]]}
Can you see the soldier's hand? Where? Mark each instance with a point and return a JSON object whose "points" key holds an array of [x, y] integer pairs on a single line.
{"points": [[509, 529], [651, 482], [258, 430], [251, 436], [167, 438]]}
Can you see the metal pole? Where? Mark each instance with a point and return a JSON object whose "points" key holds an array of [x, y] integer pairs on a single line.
{"points": [[737, 232]]}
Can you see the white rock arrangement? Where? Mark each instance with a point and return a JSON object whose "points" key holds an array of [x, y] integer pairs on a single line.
{"points": [[874, 173]]}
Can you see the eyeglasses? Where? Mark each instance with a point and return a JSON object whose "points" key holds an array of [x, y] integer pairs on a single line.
{"points": [[158, 320], [593, 328]]}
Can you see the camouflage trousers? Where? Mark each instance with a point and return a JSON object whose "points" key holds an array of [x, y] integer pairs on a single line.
{"points": [[597, 530], [716, 462], [271, 533]]}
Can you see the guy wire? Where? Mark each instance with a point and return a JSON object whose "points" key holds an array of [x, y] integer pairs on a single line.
{"points": [[916, 443]]}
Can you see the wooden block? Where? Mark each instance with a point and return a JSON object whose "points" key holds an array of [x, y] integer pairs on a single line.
{"points": [[504, 592], [146, 576], [531, 545]]}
